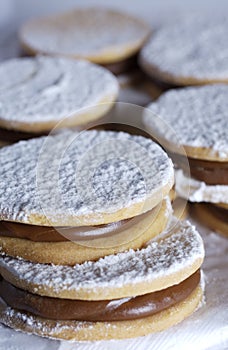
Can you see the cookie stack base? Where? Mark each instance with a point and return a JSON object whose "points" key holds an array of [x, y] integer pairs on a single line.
{"points": [[89, 331]]}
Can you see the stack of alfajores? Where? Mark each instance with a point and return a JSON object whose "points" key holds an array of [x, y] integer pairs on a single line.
{"points": [[88, 247]]}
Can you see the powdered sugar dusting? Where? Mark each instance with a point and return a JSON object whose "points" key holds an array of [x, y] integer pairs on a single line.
{"points": [[193, 48], [160, 258], [69, 175], [85, 32], [44, 89], [198, 191], [198, 115]]}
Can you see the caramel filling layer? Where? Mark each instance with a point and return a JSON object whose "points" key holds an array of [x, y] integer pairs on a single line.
{"points": [[218, 212], [62, 234], [212, 173], [91, 311], [12, 136], [51, 234]]}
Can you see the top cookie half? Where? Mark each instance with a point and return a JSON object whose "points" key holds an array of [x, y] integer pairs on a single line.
{"points": [[191, 52], [79, 179], [100, 35], [194, 119], [38, 94]]}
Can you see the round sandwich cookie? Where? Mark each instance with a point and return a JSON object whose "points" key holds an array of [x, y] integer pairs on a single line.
{"points": [[85, 196], [38, 94], [213, 216], [120, 296], [199, 118], [100, 35], [191, 52]]}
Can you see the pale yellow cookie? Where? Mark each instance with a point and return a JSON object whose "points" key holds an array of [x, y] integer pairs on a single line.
{"points": [[180, 120], [82, 179], [190, 52], [100, 35], [59, 92]]}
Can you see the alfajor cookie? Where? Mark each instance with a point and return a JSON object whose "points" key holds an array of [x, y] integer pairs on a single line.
{"points": [[195, 119], [90, 251], [100, 35], [121, 296], [38, 94], [190, 52], [100, 199]]}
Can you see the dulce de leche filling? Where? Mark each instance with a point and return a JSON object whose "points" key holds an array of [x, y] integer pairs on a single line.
{"points": [[218, 212], [12, 136], [210, 172], [91, 311], [61, 234]]}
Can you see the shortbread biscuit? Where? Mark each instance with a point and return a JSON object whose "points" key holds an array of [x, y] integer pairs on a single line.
{"points": [[132, 234], [212, 216], [100, 35], [90, 331], [166, 261], [195, 118], [38, 94], [191, 52], [82, 179]]}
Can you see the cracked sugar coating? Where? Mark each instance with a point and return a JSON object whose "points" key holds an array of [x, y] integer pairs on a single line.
{"points": [[98, 34], [191, 51], [167, 260], [37, 93], [82, 178], [199, 117]]}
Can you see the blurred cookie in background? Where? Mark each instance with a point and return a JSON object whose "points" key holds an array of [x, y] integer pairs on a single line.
{"points": [[42, 93], [100, 35], [190, 52], [195, 119]]}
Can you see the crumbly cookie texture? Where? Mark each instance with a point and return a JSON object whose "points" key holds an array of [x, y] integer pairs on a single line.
{"points": [[194, 117], [38, 93], [167, 260], [98, 34], [198, 191], [88, 331], [191, 51], [82, 178]]}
